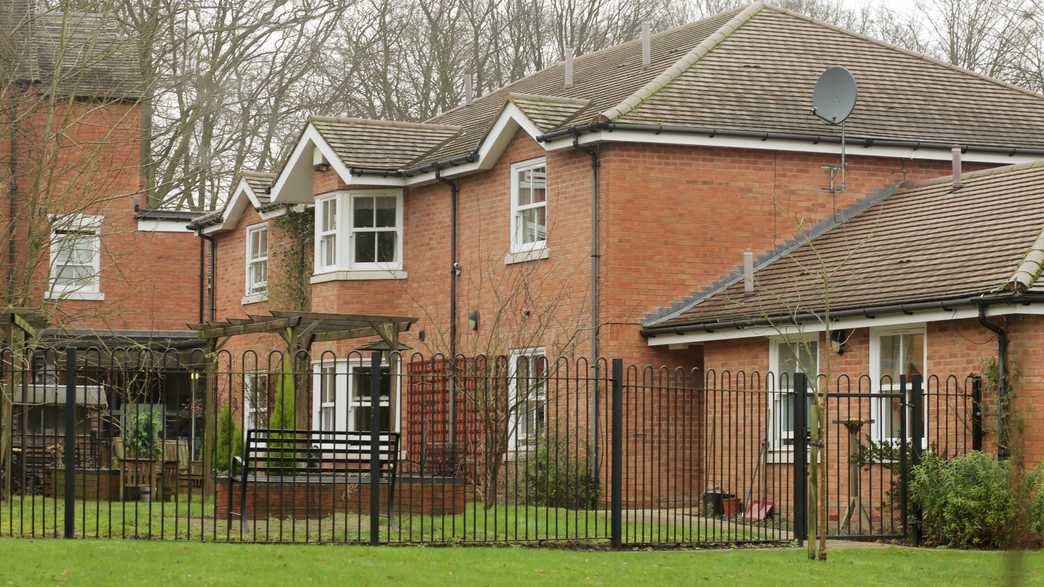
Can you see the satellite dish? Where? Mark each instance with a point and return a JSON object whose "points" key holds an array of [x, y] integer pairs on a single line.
{"points": [[835, 95]]}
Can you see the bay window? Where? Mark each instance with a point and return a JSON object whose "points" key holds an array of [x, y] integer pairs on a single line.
{"points": [[360, 231]]}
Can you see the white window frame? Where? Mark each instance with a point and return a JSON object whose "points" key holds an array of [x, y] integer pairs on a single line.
{"points": [[90, 227], [514, 222], [344, 232], [521, 440], [250, 409], [877, 429], [777, 436], [320, 234], [251, 262], [345, 398]]}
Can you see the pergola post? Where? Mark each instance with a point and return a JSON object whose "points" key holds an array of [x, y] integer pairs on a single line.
{"points": [[18, 324], [210, 417]]}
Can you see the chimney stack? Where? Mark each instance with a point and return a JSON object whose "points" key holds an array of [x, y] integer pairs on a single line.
{"points": [[569, 67], [646, 45], [469, 89], [748, 272], [956, 151]]}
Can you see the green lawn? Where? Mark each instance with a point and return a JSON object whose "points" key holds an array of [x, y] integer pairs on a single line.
{"points": [[109, 562], [35, 517]]}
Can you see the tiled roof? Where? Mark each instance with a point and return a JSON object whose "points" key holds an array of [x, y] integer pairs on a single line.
{"points": [[381, 144], [548, 112], [78, 54], [753, 71], [759, 77], [259, 181], [605, 78], [923, 243]]}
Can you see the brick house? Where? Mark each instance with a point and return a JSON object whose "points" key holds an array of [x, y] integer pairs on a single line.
{"points": [[81, 248], [560, 215]]}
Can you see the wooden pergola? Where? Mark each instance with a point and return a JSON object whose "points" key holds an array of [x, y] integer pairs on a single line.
{"points": [[16, 326], [299, 331]]}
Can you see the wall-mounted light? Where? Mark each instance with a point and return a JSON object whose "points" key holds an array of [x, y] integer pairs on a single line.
{"points": [[473, 320], [839, 341]]}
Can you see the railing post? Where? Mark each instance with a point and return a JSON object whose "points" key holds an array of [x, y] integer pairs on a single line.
{"points": [[616, 504], [375, 438], [977, 413], [800, 457], [916, 443], [70, 441], [904, 465]]}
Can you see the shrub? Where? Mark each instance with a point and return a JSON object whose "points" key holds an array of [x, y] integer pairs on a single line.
{"points": [[142, 436], [557, 477], [969, 502], [229, 441]]}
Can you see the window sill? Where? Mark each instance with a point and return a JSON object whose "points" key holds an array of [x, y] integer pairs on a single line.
{"points": [[525, 256], [95, 296], [358, 275], [254, 298]]}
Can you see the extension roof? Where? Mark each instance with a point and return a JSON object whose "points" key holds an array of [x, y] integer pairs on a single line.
{"points": [[926, 242], [76, 54], [248, 188]]}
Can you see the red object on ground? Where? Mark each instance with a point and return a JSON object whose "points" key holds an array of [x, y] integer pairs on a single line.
{"points": [[758, 510]]}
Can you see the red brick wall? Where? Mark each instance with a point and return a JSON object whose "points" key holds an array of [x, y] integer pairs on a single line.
{"points": [[149, 279]]}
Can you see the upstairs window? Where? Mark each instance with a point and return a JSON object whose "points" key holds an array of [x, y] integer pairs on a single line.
{"points": [[326, 241], [528, 206], [75, 250], [359, 231], [257, 260]]}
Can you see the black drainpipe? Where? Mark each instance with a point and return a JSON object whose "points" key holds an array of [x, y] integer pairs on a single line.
{"points": [[203, 275], [596, 165], [12, 199], [1002, 378], [454, 186]]}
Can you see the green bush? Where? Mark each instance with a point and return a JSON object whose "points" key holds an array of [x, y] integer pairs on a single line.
{"points": [[969, 502], [557, 477], [142, 436], [229, 441]]}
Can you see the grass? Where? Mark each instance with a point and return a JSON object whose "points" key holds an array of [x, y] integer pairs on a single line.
{"points": [[34, 517], [103, 562]]}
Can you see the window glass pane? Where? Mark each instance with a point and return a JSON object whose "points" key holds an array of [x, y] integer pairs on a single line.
{"points": [[533, 225], [891, 359], [914, 351], [524, 195], [538, 183], [361, 419], [798, 357], [365, 247], [329, 215], [328, 250], [386, 212], [361, 385], [74, 275], [362, 215], [386, 246]]}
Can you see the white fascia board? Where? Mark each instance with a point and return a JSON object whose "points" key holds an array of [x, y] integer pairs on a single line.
{"points": [[145, 225], [275, 213], [309, 138], [799, 146], [489, 152], [963, 313]]}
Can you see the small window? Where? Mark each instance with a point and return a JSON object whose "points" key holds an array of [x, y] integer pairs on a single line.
{"points": [[361, 403], [328, 399], [528, 206], [255, 401], [257, 260], [790, 357], [894, 354], [527, 397], [326, 243], [75, 249]]}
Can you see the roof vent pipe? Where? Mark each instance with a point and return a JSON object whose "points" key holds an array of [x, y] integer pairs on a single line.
{"points": [[469, 89], [569, 67], [956, 151], [646, 45], [748, 272]]}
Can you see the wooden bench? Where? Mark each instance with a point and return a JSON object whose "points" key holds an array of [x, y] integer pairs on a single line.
{"points": [[278, 454]]}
